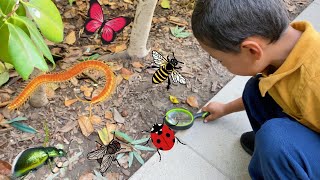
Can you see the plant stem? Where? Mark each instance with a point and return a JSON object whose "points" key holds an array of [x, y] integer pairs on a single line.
{"points": [[16, 6]]}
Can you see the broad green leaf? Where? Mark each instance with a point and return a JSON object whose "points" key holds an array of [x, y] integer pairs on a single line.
{"points": [[19, 24], [47, 17], [179, 32], [139, 158], [123, 135], [103, 134], [4, 38], [23, 127], [165, 4], [94, 57], [144, 148], [139, 141], [4, 77], [36, 37], [7, 6], [119, 156], [21, 11], [23, 53], [17, 119], [130, 158]]}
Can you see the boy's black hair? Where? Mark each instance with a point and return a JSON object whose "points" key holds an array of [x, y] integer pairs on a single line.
{"points": [[224, 24]]}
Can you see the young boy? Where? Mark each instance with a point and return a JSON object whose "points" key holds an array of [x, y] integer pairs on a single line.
{"points": [[251, 37]]}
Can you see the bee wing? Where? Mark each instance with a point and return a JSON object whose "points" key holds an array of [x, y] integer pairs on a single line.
{"points": [[106, 162], [97, 154], [177, 77], [159, 59]]}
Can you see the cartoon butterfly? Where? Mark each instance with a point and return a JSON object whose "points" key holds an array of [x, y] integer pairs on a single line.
{"points": [[108, 28]]}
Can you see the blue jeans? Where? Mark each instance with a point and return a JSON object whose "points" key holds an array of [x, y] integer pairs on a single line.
{"points": [[284, 148]]}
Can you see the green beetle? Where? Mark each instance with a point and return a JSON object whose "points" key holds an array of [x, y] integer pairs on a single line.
{"points": [[33, 158]]}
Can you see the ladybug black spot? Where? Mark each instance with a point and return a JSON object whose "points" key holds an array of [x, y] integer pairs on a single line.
{"points": [[161, 148], [168, 135], [158, 141]]}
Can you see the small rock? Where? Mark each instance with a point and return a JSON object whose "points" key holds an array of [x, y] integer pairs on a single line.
{"points": [[124, 113]]}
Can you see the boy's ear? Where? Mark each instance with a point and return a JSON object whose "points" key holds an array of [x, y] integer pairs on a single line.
{"points": [[253, 48]]}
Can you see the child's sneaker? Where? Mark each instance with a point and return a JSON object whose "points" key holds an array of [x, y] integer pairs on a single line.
{"points": [[247, 142]]}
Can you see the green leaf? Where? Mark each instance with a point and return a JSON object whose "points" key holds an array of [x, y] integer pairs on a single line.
{"points": [[47, 17], [165, 4], [139, 158], [103, 134], [94, 57], [36, 37], [71, 1], [23, 53], [16, 119], [4, 77], [23, 127], [139, 141], [119, 156], [21, 11], [7, 6], [144, 148], [123, 135], [179, 32], [4, 39], [130, 158]]}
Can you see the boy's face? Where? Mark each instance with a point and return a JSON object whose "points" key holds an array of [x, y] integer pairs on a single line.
{"points": [[245, 63]]}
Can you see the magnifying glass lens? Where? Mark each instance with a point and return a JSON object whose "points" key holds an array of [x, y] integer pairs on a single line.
{"points": [[178, 118]]}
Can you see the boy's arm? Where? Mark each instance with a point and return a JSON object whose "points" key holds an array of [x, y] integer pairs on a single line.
{"points": [[218, 110]]}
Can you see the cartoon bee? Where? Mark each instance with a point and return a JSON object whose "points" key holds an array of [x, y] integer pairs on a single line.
{"points": [[166, 67]]}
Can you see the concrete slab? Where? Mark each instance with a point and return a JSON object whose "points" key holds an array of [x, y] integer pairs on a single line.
{"points": [[311, 14], [181, 162]]}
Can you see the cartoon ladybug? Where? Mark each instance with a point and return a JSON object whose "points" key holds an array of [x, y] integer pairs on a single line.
{"points": [[162, 137]]}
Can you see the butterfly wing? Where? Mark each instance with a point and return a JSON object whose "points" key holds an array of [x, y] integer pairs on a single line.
{"points": [[158, 59], [177, 77], [97, 154], [112, 27], [106, 162], [96, 18]]}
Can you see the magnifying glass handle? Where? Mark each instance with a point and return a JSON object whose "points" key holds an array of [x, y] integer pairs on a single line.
{"points": [[201, 114]]}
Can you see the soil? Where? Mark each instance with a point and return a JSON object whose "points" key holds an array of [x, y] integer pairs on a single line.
{"points": [[140, 102]]}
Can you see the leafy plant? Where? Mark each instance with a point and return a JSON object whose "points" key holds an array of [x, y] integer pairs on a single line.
{"points": [[134, 147], [21, 43], [179, 32], [20, 126]]}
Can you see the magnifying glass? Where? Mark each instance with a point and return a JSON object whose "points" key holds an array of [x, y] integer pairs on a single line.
{"points": [[181, 119]]}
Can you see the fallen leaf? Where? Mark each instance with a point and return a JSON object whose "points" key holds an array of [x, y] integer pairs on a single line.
{"points": [[165, 4], [137, 64], [71, 38], [177, 21], [113, 176], [5, 168], [115, 67], [87, 176], [50, 90], [103, 135], [108, 115], [86, 90], [117, 117], [69, 102], [128, 1], [119, 79], [2, 177], [96, 120], [85, 125], [174, 99], [68, 127], [192, 101], [115, 48], [125, 73], [110, 128]]}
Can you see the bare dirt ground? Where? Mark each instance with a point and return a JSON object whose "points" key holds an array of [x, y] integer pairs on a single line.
{"points": [[139, 102]]}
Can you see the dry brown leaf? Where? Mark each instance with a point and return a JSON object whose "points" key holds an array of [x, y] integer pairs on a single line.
{"points": [[96, 120], [5, 168], [87, 176], [119, 79], [70, 38], [50, 90], [125, 73], [86, 90], [85, 125], [137, 64], [108, 115], [68, 127], [69, 102], [192, 101], [111, 127], [117, 117], [115, 67], [178, 21]]}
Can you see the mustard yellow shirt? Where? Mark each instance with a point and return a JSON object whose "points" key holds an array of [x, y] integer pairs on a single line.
{"points": [[295, 85]]}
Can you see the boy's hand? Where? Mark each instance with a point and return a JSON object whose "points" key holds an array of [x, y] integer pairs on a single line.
{"points": [[216, 110]]}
